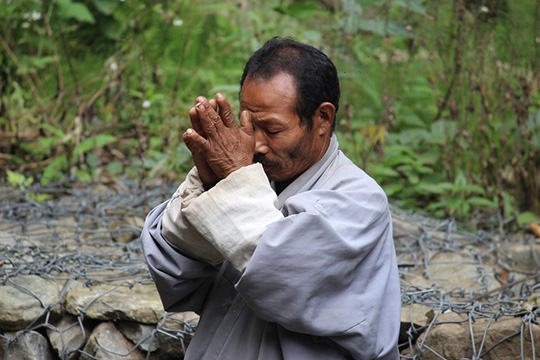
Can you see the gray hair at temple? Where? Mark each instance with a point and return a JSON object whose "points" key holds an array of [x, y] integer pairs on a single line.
{"points": [[315, 75]]}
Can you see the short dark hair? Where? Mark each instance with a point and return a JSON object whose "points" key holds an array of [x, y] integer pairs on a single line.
{"points": [[315, 75]]}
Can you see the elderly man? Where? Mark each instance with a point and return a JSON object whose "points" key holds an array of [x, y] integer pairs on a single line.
{"points": [[281, 244]]}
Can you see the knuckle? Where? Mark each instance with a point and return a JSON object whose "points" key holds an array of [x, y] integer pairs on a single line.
{"points": [[227, 114], [214, 117], [209, 127]]}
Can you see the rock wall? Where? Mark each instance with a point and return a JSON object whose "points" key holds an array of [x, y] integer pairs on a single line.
{"points": [[67, 319], [74, 284]]}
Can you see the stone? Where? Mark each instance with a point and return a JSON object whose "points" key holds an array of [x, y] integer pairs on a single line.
{"points": [[450, 337], [106, 342], [127, 229], [403, 228], [141, 334], [140, 303], [65, 228], [414, 319], [37, 232], [419, 315], [453, 271], [26, 345], [68, 338], [523, 258], [7, 239], [176, 332], [18, 303]]}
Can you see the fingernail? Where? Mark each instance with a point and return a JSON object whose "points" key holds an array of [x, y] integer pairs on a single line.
{"points": [[220, 96], [200, 105], [189, 131]]}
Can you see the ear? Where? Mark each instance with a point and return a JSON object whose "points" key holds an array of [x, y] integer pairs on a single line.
{"points": [[323, 118]]}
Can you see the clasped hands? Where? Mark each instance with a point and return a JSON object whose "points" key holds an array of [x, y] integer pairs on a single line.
{"points": [[217, 144]]}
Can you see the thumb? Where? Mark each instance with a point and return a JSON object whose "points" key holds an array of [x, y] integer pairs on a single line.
{"points": [[245, 123]]}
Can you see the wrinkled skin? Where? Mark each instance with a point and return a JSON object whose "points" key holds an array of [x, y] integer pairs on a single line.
{"points": [[218, 146], [271, 133]]}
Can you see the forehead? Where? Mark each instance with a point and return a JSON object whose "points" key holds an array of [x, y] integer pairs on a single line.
{"points": [[275, 94]]}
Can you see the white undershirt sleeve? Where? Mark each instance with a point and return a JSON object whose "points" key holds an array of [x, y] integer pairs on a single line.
{"points": [[179, 233], [235, 213]]}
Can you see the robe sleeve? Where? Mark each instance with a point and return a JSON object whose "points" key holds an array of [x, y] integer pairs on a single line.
{"points": [[327, 268], [182, 283]]}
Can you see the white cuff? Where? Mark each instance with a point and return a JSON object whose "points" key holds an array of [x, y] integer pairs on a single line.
{"points": [[235, 213]]}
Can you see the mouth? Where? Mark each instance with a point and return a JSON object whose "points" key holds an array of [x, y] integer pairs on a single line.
{"points": [[267, 164]]}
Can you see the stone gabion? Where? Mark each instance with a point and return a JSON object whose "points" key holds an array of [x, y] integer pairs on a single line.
{"points": [[74, 283]]}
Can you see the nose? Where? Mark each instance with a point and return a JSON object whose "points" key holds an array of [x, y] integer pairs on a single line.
{"points": [[260, 144]]}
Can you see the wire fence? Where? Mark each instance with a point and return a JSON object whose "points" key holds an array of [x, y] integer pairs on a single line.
{"points": [[454, 283], [87, 234], [479, 290]]}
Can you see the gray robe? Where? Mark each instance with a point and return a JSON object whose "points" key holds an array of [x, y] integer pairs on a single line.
{"points": [[322, 283]]}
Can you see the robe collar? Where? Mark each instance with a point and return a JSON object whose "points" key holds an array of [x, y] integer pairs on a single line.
{"points": [[309, 177]]}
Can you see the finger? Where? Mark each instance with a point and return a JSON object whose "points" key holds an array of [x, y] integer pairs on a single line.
{"points": [[201, 99], [195, 122], [225, 111], [194, 141], [209, 119], [245, 123]]}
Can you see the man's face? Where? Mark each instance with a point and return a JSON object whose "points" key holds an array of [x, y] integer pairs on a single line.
{"points": [[284, 146]]}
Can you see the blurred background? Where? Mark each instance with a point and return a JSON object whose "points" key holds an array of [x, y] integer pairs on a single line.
{"points": [[440, 100]]}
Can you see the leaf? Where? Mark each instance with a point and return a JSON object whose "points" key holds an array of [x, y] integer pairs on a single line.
{"points": [[393, 189], [38, 197], [374, 134], [412, 5], [379, 171], [111, 28], [136, 94], [413, 136], [421, 169], [429, 188], [54, 171], [55, 130], [480, 201], [509, 204], [115, 168], [410, 119], [105, 7], [15, 179], [41, 62], [83, 175], [442, 131], [382, 27], [526, 218], [74, 10], [93, 143], [398, 159], [300, 10]]}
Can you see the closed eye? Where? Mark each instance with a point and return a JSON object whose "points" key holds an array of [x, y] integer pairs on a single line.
{"points": [[272, 132]]}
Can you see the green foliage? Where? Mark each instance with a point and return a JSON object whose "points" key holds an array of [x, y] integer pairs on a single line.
{"points": [[440, 103], [21, 182], [67, 9]]}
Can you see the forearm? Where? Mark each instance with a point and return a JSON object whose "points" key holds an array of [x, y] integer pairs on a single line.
{"points": [[181, 282], [234, 214], [179, 233]]}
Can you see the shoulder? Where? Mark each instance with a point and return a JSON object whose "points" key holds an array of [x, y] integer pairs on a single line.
{"points": [[342, 188]]}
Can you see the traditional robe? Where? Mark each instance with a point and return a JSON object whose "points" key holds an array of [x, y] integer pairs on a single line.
{"points": [[312, 273]]}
